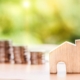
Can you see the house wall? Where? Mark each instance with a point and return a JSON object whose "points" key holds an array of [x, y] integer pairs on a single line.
{"points": [[67, 53]]}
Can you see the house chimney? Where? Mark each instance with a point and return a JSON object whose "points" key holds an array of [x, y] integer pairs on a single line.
{"points": [[77, 43]]}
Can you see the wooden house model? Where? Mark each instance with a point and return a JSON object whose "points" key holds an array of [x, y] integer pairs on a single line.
{"points": [[68, 53]]}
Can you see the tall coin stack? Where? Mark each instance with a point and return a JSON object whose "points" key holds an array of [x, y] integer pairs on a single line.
{"points": [[37, 57], [5, 53], [19, 55]]}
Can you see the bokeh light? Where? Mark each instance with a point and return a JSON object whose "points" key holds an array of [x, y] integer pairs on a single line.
{"points": [[26, 4]]}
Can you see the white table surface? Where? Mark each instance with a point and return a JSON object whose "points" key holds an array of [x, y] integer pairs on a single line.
{"points": [[31, 72]]}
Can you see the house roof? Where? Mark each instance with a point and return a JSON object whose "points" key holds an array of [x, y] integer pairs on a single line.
{"points": [[66, 42]]}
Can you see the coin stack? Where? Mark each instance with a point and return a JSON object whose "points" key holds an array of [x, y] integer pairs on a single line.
{"points": [[19, 55], [37, 57], [5, 53]]}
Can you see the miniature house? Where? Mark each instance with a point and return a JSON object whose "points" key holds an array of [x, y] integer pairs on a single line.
{"points": [[68, 53]]}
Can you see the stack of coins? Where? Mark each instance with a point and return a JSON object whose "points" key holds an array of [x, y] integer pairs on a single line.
{"points": [[37, 57], [19, 55], [5, 51]]}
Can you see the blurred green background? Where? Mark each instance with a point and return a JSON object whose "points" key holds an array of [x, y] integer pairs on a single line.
{"points": [[39, 21]]}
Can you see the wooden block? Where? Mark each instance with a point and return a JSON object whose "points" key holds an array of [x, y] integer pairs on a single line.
{"points": [[68, 53]]}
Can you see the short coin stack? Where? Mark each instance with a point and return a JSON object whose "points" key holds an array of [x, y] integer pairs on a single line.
{"points": [[37, 57], [5, 53], [19, 55]]}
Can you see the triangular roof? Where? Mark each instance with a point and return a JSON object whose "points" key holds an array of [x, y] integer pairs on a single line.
{"points": [[66, 42]]}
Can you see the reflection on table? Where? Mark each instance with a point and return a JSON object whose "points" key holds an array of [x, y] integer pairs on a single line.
{"points": [[32, 72]]}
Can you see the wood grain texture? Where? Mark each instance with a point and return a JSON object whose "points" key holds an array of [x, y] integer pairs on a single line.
{"points": [[69, 54]]}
